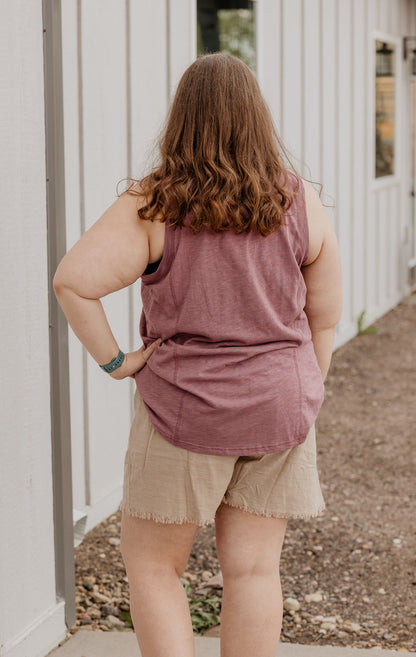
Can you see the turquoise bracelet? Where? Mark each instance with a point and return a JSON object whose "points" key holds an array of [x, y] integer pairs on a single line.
{"points": [[115, 363]]}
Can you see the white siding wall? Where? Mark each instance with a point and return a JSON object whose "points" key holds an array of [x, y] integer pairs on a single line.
{"points": [[405, 23], [321, 51], [122, 61], [116, 76], [103, 87], [31, 620]]}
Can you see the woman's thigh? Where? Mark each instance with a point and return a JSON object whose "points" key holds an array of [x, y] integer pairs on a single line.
{"points": [[150, 546], [248, 543]]}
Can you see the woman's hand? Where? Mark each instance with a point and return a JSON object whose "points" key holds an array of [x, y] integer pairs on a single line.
{"points": [[135, 360]]}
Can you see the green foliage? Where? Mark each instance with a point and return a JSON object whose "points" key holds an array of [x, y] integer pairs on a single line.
{"points": [[204, 610], [237, 34], [127, 618], [360, 325]]}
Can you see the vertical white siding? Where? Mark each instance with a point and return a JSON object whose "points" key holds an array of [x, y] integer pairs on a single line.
{"points": [[394, 18], [94, 65], [407, 26], [116, 76], [148, 96], [311, 76], [148, 78], [325, 110], [73, 144], [122, 62], [344, 164], [181, 38], [105, 162], [370, 220], [329, 119], [268, 49], [385, 266], [292, 93], [31, 619], [358, 189]]}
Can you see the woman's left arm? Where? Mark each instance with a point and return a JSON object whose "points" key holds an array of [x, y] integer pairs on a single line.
{"points": [[110, 256]]}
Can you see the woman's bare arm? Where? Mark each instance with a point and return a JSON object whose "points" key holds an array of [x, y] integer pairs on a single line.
{"points": [[111, 255], [322, 275]]}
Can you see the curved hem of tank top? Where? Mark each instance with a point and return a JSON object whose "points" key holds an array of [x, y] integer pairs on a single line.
{"points": [[151, 278], [309, 424], [239, 451]]}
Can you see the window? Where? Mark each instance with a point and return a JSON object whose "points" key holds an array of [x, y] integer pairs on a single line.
{"points": [[385, 124], [227, 26]]}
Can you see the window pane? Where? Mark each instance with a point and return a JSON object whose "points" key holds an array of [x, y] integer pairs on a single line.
{"points": [[385, 110], [227, 26]]}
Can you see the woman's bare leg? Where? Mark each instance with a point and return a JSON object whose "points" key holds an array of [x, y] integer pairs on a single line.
{"points": [[248, 548], [155, 555]]}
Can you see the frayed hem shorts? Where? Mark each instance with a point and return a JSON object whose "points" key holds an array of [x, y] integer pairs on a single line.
{"points": [[170, 484]]}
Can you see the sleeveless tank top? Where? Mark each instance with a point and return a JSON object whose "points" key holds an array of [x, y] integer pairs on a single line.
{"points": [[236, 373]]}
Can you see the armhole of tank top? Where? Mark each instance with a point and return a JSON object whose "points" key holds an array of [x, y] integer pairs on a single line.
{"points": [[304, 228], [166, 258]]}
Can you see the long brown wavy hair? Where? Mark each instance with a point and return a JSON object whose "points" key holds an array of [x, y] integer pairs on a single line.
{"points": [[220, 158]]}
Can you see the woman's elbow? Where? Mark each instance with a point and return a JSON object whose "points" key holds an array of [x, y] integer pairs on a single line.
{"points": [[336, 310], [60, 280]]}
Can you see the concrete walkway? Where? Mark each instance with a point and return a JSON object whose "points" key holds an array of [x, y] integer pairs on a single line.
{"points": [[87, 643]]}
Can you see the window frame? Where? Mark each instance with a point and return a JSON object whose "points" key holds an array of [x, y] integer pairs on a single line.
{"points": [[391, 179]]}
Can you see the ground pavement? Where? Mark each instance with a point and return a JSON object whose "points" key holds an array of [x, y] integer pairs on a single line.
{"points": [[86, 643]]}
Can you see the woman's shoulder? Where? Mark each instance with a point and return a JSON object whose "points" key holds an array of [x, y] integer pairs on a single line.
{"points": [[136, 191], [318, 220]]}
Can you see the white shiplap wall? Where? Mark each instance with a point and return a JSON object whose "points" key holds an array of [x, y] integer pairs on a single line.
{"points": [[122, 61], [31, 618], [103, 87], [321, 51]]}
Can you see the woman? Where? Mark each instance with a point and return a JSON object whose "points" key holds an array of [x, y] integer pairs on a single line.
{"points": [[241, 292]]}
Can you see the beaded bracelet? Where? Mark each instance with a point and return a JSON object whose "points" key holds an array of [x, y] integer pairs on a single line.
{"points": [[115, 363]]}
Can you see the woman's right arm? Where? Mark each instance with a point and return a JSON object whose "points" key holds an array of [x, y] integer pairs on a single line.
{"points": [[322, 275]]}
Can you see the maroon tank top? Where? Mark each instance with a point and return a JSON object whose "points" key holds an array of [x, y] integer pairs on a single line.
{"points": [[236, 373]]}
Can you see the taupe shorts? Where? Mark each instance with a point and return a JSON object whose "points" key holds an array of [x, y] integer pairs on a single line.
{"points": [[171, 484]]}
